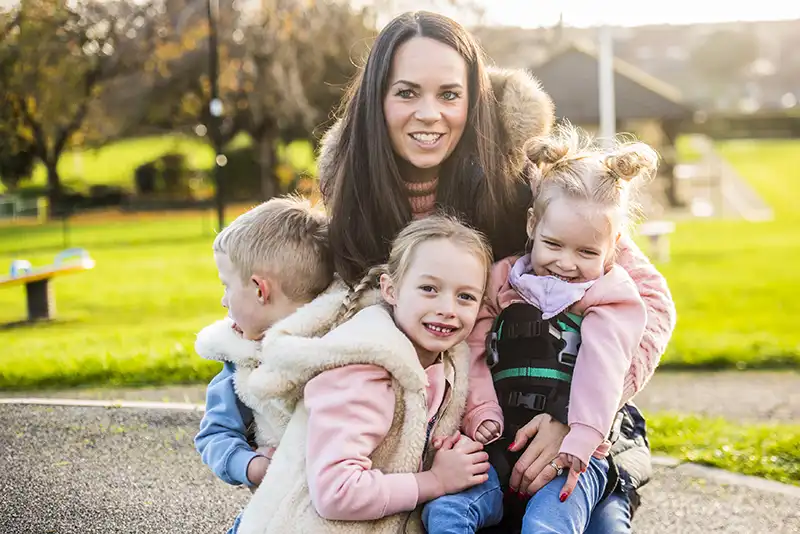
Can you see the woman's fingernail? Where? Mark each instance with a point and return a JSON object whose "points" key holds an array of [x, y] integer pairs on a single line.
{"points": [[520, 496], [563, 497], [510, 447]]}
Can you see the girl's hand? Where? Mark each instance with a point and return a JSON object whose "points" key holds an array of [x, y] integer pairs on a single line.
{"points": [[487, 431], [461, 466], [445, 442]]}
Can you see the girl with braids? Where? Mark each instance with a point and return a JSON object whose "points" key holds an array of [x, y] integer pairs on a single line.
{"points": [[581, 209], [367, 396], [427, 125]]}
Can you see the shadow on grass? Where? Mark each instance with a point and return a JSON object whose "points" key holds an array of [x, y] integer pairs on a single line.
{"points": [[773, 362], [111, 245], [26, 324]]}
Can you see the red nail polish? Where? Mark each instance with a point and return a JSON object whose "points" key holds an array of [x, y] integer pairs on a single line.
{"points": [[510, 447], [563, 497]]}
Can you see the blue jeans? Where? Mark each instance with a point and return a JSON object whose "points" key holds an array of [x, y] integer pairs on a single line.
{"points": [[482, 506], [612, 516], [545, 513], [235, 528], [479, 506]]}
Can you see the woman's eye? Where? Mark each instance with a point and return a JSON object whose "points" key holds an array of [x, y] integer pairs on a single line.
{"points": [[405, 93], [450, 95]]}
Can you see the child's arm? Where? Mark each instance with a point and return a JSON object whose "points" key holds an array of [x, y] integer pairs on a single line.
{"points": [[482, 405], [652, 288], [611, 330], [350, 413], [221, 441]]}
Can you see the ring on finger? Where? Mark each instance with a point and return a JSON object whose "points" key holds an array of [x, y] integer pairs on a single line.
{"points": [[557, 467]]}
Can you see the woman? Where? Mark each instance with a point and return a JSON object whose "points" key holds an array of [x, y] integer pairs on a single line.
{"points": [[427, 126]]}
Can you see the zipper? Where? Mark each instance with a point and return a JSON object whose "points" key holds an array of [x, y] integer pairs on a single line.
{"points": [[428, 433]]}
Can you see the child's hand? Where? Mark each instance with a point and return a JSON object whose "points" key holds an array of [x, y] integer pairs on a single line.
{"points": [[257, 468], [461, 465], [576, 467], [445, 442], [487, 431]]}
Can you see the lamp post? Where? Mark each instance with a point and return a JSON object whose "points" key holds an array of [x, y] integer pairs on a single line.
{"points": [[215, 109], [605, 83]]}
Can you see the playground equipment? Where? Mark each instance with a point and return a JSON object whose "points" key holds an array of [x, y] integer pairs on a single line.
{"points": [[41, 298]]}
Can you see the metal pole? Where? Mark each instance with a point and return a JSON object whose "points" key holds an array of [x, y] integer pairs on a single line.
{"points": [[605, 78], [215, 108]]}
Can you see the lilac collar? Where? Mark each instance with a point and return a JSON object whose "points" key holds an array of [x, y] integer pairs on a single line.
{"points": [[548, 293]]}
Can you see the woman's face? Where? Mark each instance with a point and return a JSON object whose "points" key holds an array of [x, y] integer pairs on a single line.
{"points": [[426, 104]]}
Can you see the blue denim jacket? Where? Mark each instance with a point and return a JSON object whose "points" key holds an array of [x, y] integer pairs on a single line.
{"points": [[222, 440]]}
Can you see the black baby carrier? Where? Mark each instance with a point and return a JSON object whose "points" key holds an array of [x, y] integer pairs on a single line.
{"points": [[532, 360]]}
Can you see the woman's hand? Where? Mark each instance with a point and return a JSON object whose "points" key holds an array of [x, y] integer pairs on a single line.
{"points": [[533, 471]]}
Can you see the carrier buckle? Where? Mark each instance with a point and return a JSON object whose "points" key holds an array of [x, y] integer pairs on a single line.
{"points": [[568, 355], [531, 401], [616, 428], [492, 356]]}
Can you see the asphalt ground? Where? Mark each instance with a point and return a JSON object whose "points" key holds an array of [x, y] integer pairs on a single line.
{"points": [[71, 469]]}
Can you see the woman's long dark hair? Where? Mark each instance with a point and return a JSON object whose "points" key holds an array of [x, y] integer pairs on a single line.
{"points": [[365, 194]]}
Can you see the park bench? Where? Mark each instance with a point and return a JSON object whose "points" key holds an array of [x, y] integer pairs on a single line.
{"points": [[39, 292], [658, 233]]}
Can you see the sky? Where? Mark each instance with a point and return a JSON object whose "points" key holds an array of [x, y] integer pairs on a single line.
{"points": [[534, 13]]}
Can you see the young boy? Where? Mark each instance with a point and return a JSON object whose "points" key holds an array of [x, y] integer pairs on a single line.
{"points": [[271, 260]]}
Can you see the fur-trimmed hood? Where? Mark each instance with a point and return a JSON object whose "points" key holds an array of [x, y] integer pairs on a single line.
{"points": [[218, 341], [524, 109]]}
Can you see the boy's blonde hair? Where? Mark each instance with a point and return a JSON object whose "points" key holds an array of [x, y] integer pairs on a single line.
{"points": [[401, 255], [571, 163], [286, 238]]}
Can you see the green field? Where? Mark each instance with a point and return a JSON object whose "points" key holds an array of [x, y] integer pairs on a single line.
{"points": [[735, 283], [133, 318], [115, 164], [766, 450]]}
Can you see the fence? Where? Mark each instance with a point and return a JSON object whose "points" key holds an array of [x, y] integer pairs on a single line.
{"points": [[14, 208]]}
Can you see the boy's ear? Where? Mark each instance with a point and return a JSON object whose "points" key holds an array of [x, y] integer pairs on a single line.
{"points": [[388, 290], [263, 286]]}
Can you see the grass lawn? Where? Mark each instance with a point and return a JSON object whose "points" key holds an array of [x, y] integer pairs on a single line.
{"points": [[114, 164], [735, 283], [767, 450], [133, 318]]}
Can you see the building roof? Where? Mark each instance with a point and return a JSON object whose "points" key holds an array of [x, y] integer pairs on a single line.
{"points": [[569, 75]]}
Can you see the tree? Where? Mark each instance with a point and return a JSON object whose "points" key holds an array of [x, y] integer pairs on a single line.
{"points": [[299, 56], [62, 56], [283, 65], [16, 151]]}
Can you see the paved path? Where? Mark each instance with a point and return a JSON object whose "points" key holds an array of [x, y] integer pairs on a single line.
{"points": [[91, 470], [738, 396]]}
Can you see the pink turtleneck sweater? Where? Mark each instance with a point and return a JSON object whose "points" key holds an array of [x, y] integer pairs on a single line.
{"points": [[422, 197]]}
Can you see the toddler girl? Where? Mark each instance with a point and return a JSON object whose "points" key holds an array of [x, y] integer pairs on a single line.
{"points": [[559, 328]]}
